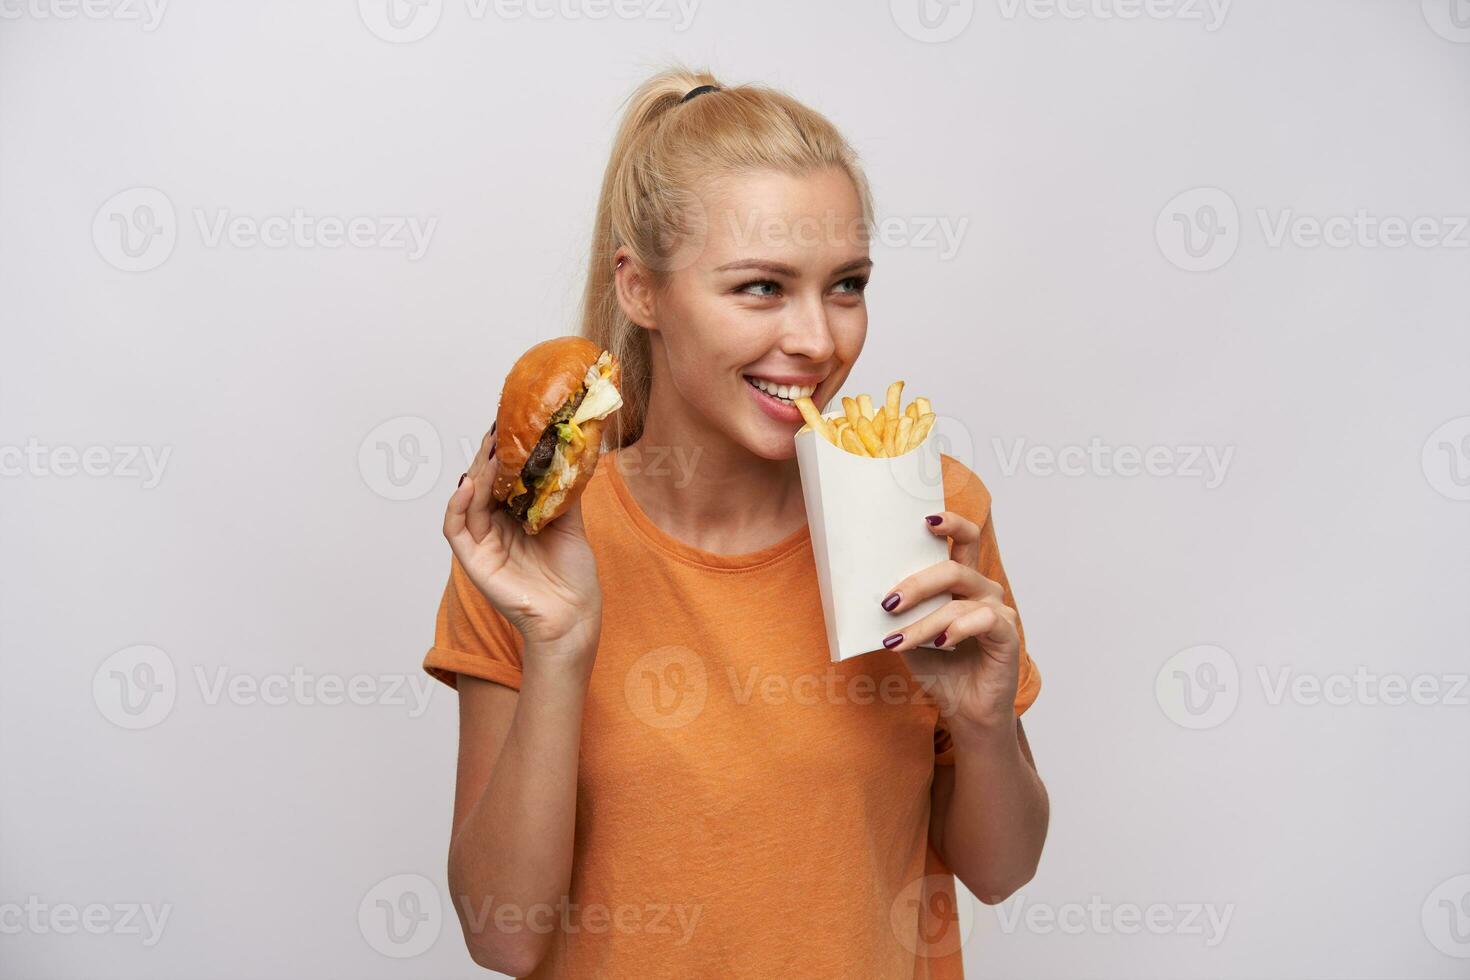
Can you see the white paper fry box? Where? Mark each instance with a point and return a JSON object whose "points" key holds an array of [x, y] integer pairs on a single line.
{"points": [[867, 528]]}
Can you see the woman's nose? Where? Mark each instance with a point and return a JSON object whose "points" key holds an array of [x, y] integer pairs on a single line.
{"points": [[808, 334]]}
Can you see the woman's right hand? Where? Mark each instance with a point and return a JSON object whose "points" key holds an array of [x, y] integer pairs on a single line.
{"points": [[546, 584]]}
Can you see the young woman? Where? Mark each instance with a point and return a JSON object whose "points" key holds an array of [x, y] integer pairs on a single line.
{"points": [[660, 773]]}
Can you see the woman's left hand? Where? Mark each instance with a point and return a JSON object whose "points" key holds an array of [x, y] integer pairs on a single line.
{"points": [[974, 678]]}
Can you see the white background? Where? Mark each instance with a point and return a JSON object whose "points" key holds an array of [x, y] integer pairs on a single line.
{"points": [[271, 543]]}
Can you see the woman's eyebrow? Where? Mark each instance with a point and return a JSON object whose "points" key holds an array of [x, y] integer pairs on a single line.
{"points": [[782, 269]]}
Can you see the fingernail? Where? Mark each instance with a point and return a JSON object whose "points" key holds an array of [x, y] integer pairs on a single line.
{"points": [[491, 454], [891, 602], [939, 640], [494, 424], [892, 640], [934, 519], [461, 480]]}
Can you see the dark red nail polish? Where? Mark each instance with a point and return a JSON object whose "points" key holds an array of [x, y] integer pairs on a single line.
{"points": [[939, 640], [491, 454], [494, 424], [892, 640], [891, 602], [461, 480], [934, 519]]}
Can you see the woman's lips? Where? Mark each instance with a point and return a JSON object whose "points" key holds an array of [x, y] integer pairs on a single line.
{"points": [[774, 407]]}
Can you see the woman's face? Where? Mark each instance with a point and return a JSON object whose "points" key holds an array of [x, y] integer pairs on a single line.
{"points": [[770, 307]]}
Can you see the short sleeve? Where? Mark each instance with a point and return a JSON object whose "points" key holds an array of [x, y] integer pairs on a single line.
{"points": [[967, 496], [471, 637]]}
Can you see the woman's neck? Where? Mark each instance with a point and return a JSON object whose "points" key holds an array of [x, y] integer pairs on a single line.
{"points": [[707, 491]]}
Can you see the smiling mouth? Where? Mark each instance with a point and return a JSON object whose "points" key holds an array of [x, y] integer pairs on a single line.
{"points": [[786, 394]]}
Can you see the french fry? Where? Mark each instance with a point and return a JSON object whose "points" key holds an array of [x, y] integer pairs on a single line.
{"points": [[903, 442], [815, 420], [895, 395], [870, 440], [922, 427], [876, 431]]}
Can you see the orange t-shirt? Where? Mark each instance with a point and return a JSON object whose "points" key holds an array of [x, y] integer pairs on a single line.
{"points": [[745, 807]]}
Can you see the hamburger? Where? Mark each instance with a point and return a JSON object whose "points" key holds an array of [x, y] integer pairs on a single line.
{"points": [[548, 427]]}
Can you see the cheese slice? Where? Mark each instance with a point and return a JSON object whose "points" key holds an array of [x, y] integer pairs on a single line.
{"points": [[602, 398]]}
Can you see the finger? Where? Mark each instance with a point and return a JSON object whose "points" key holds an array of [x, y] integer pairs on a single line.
{"points": [[927, 628], [485, 452], [483, 475], [948, 577], [988, 624], [456, 530], [962, 532]]}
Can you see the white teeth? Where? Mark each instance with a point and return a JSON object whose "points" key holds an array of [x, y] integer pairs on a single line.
{"points": [[784, 392]]}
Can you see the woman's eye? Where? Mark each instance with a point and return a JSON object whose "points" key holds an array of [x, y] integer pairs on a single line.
{"points": [[855, 284], [758, 288]]}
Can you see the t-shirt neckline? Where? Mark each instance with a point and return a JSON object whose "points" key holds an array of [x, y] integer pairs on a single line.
{"points": [[663, 541]]}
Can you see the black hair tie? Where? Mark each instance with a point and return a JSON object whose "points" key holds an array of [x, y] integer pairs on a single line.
{"points": [[698, 91]]}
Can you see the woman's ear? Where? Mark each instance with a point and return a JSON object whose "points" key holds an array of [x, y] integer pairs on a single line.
{"points": [[635, 289]]}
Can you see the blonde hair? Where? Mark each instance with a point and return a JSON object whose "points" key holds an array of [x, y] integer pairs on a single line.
{"points": [[664, 150]]}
